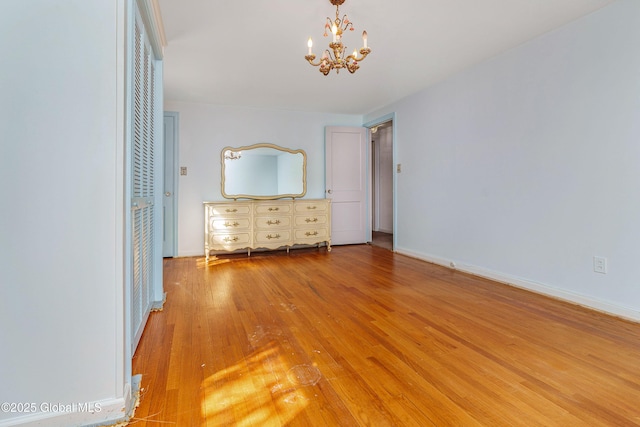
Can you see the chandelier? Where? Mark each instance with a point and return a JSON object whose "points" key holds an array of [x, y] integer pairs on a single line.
{"points": [[335, 57]]}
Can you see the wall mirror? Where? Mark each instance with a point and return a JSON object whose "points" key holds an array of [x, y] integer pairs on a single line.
{"points": [[263, 171]]}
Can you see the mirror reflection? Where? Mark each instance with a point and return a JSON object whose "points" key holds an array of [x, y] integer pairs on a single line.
{"points": [[263, 171]]}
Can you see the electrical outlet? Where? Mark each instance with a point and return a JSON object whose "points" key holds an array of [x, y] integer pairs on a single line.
{"points": [[399, 168], [183, 170], [600, 264]]}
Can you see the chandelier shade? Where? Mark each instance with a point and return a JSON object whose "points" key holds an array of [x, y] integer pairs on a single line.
{"points": [[334, 58]]}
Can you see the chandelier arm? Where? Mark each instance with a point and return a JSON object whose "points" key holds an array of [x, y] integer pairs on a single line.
{"points": [[310, 58], [346, 23], [364, 52], [329, 58]]}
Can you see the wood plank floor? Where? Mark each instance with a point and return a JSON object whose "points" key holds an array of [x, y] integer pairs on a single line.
{"points": [[365, 337]]}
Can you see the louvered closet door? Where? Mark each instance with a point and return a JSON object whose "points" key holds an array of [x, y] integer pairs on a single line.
{"points": [[142, 180]]}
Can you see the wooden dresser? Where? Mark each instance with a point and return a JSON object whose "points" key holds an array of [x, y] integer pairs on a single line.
{"points": [[270, 224]]}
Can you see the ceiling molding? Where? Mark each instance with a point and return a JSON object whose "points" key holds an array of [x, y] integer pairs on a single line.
{"points": [[150, 12]]}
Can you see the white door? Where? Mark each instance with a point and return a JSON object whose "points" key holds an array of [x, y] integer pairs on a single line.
{"points": [[346, 183], [169, 205], [146, 265]]}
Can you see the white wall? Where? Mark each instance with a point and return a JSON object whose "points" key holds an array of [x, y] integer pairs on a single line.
{"points": [[206, 129], [524, 167], [61, 290]]}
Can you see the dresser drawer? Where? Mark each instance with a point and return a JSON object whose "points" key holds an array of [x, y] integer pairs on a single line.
{"points": [[311, 220], [273, 222], [228, 210], [311, 206], [228, 224], [273, 208], [317, 234], [229, 240], [273, 237]]}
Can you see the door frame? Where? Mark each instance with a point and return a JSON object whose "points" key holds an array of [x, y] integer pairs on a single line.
{"points": [[391, 117]]}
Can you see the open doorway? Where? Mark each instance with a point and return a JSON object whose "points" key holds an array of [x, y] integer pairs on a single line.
{"points": [[382, 184]]}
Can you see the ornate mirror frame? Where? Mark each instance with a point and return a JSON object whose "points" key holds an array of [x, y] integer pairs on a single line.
{"points": [[235, 153]]}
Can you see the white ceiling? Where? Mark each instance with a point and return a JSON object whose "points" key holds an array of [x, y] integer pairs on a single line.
{"points": [[251, 53]]}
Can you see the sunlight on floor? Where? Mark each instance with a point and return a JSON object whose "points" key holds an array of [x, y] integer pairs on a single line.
{"points": [[260, 390], [202, 262]]}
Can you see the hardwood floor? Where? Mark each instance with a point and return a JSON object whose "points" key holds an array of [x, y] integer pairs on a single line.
{"points": [[365, 337]]}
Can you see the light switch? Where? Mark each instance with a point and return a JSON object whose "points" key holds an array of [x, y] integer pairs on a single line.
{"points": [[399, 168], [183, 170]]}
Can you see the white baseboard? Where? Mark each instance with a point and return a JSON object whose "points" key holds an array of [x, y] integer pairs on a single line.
{"points": [[159, 305], [88, 414], [518, 282], [190, 254]]}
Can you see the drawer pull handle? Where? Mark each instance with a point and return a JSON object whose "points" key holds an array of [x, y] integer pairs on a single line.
{"points": [[276, 222], [231, 210], [309, 233], [269, 236], [233, 239], [311, 207], [273, 209], [228, 224], [311, 220]]}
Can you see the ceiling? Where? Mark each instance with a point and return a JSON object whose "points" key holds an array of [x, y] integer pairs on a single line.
{"points": [[251, 53]]}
